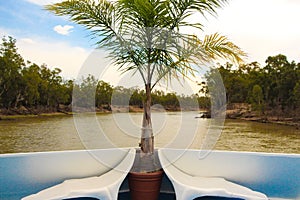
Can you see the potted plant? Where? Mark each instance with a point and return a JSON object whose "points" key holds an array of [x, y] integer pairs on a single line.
{"points": [[144, 37]]}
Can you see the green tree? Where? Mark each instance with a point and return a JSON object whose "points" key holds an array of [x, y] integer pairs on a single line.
{"points": [[11, 63], [214, 87], [32, 80], [68, 86], [268, 88], [136, 98], [157, 97], [280, 80], [51, 89], [296, 95], [257, 100], [143, 36], [170, 100], [103, 94], [85, 92], [236, 81], [121, 96], [204, 102]]}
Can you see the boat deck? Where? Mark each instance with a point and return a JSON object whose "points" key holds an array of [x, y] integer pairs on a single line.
{"points": [[171, 196], [163, 196], [276, 175]]}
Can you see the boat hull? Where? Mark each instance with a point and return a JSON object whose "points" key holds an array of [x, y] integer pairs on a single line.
{"points": [[276, 175]]}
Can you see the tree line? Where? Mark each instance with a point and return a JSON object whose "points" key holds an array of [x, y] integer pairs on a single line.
{"points": [[26, 84], [107, 95], [272, 89]]}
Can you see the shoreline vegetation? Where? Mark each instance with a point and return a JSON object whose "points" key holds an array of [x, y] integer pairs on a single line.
{"points": [[266, 94], [67, 110], [244, 111], [239, 111]]}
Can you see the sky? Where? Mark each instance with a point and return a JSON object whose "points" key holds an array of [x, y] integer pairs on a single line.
{"points": [[261, 28]]}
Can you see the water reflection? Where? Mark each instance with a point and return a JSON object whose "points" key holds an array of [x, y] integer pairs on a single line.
{"points": [[59, 133], [239, 135]]}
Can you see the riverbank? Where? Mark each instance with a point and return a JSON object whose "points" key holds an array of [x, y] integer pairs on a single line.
{"points": [[21, 112], [276, 120], [244, 112], [15, 117], [234, 111]]}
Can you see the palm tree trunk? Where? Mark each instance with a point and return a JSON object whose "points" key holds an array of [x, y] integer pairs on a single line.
{"points": [[147, 139]]}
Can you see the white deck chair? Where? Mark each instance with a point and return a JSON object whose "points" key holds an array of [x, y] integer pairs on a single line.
{"points": [[104, 187], [188, 187]]}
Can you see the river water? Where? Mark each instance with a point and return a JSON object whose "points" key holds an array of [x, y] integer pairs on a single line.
{"points": [[172, 129]]}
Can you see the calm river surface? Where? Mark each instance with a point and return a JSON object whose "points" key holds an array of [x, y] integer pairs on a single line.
{"points": [[178, 130]]}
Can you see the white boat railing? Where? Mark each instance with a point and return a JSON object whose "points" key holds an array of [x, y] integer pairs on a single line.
{"points": [[23, 174], [276, 175]]}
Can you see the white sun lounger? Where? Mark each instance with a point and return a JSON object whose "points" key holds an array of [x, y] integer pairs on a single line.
{"points": [[104, 187], [189, 187]]}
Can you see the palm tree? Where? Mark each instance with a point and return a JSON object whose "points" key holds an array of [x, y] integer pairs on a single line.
{"points": [[145, 37]]}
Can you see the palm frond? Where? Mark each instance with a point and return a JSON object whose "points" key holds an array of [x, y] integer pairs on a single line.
{"points": [[218, 46], [141, 36], [180, 10]]}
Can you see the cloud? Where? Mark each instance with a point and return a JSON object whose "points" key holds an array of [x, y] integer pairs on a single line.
{"points": [[63, 30], [28, 41], [54, 54]]}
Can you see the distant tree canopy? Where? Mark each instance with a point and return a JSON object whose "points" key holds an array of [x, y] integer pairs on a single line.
{"points": [[30, 85], [273, 86]]}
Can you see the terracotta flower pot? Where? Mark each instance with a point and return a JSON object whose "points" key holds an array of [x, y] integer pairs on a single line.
{"points": [[145, 186]]}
